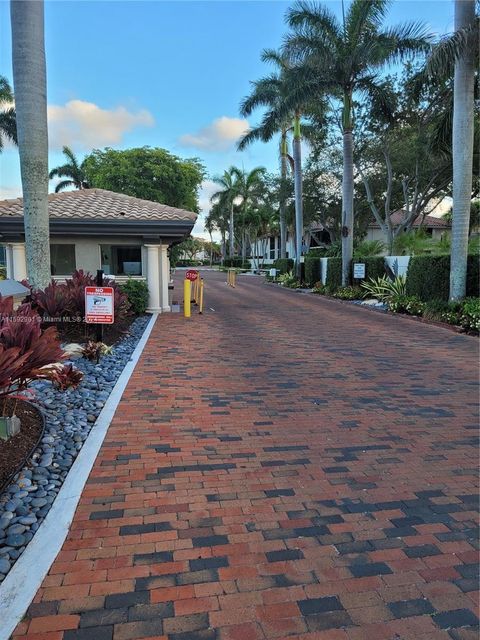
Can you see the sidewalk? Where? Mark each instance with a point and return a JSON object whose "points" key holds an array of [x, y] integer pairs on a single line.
{"points": [[280, 467]]}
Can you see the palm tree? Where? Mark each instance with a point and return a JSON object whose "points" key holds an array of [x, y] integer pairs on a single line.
{"points": [[218, 219], [72, 171], [225, 197], [249, 187], [458, 55], [272, 92], [30, 85], [343, 58], [268, 92], [8, 124]]}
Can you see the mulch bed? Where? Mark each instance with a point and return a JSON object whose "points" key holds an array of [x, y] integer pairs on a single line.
{"points": [[15, 450]]}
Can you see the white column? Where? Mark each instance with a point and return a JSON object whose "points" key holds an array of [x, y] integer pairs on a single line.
{"points": [[9, 261], [19, 261], [153, 278], [164, 277]]}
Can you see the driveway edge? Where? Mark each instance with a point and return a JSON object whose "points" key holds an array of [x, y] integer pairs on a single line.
{"points": [[26, 576]]}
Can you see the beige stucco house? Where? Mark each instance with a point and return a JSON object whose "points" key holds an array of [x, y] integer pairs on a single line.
{"points": [[433, 226], [95, 229]]}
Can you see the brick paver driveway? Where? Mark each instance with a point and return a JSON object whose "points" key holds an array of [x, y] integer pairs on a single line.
{"points": [[282, 467]]}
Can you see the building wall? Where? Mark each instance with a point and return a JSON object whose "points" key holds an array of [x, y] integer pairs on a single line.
{"points": [[87, 250]]}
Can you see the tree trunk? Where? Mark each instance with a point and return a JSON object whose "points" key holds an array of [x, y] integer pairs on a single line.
{"points": [[222, 249], [283, 173], [297, 160], [231, 233], [462, 153], [211, 249], [30, 87], [347, 206]]}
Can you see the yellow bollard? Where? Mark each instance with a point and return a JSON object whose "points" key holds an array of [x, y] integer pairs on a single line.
{"points": [[234, 276], [200, 310], [186, 298]]}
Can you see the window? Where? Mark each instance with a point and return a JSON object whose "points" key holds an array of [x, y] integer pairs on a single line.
{"points": [[272, 248], [3, 256], [121, 260], [62, 259]]}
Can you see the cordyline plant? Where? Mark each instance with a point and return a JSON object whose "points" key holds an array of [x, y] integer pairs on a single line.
{"points": [[26, 351]]}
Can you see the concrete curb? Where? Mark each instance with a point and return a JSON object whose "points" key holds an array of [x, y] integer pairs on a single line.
{"points": [[23, 581]]}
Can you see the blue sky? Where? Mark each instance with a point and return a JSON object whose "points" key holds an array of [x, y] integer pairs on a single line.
{"points": [[168, 74]]}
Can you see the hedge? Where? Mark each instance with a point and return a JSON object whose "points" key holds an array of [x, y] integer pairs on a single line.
{"points": [[137, 293], [312, 270], [428, 277], [284, 265], [334, 273], [374, 267], [236, 263]]}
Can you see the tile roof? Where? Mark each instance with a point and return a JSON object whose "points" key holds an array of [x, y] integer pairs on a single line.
{"points": [[428, 222], [100, 204]]}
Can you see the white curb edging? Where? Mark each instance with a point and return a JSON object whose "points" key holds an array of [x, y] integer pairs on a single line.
{"points": [[23, 581]]}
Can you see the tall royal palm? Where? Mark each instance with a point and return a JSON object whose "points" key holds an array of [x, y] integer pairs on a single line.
{"points": [[30, 85], [458, 56], [72, 172], [225, 197], [341, 59], [8, 125], [269, 92]]}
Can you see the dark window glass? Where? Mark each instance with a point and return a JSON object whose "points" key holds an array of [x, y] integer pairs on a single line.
{"points": [[62, 259], [121, 260]]}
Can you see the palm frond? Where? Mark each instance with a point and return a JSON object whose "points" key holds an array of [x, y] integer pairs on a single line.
{"points": [[399, 42], [64, 184], [441, 61], [6, 93], [363, 18], [314, 16], [275, 57], [8, 124], [265, 92]]}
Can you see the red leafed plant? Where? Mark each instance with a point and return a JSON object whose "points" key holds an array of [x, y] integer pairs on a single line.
{"points": [[53, 301], [63, 377], [75, 287], [24, 348]]}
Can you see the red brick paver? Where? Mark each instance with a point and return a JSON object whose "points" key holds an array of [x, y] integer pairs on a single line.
{"points": [[282, 467]]}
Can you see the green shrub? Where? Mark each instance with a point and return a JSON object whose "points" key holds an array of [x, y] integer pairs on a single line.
{"points": [[428, 277], [312, 269], [137, 294], [368, 249], [236, 263], [470, 314], [349, 293], [283, 265], [289, 280], [441, 310], [320, 288], [334, 274], [383, 288], [374, 267], [188, 263], [401, 303]]}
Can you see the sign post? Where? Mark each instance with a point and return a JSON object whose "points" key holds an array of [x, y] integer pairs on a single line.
{"points": [[99, 308]]}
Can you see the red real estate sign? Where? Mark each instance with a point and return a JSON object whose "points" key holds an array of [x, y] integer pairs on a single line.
{"points": [[191, 274], [99, 305]]}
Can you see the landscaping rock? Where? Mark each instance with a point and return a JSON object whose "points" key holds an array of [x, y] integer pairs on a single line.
{"points": [[69, 417]]}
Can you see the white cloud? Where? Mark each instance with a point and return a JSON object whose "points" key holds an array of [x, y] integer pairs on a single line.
{"points": [[207, 189], [83, 124], [217, 136], [8, 193]]}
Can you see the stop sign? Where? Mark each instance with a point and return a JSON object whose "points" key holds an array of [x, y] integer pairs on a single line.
{"points": [[191, 274]]}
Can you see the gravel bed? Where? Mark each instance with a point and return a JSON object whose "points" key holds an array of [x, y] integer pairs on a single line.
{"points": [[69, 417]]}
